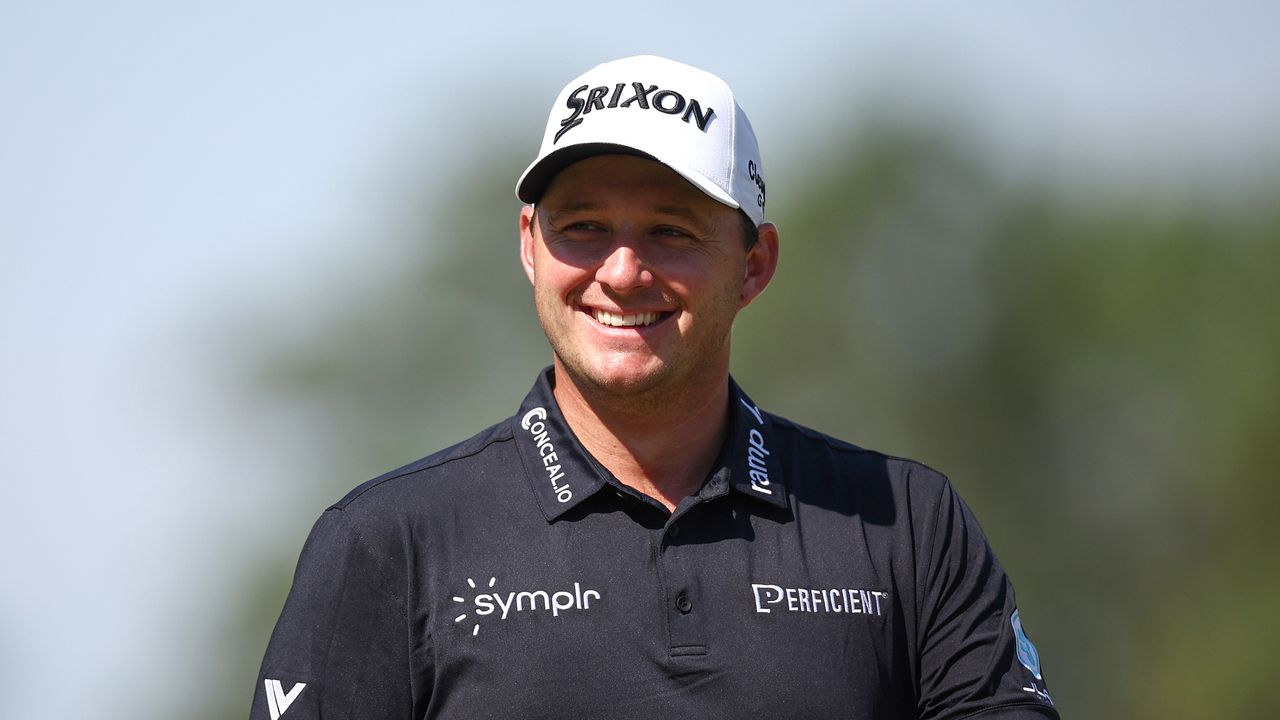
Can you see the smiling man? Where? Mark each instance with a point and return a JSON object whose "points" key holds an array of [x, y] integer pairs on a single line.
{"points": [[637, 278], [641, 540]]}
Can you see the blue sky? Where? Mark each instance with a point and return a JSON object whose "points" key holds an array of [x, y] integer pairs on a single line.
{"points": [[163, 164]]}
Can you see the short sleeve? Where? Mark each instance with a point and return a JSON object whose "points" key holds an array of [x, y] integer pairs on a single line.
{"points": [[976, 660], [340, 647]]}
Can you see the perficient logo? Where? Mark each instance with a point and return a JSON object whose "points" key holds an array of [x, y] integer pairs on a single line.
{"points": [[841, 601], [489, 602]]}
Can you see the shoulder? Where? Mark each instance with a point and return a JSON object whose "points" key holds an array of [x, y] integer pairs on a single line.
{"points": [[481, 456], [872, 488], [831, 458]]}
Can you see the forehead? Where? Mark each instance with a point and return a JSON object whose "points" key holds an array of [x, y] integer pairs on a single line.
{"points": [[627, 181]]}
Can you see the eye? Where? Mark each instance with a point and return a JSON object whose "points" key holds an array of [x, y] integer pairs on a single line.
{"points": [[668, 231], [581, 230]]}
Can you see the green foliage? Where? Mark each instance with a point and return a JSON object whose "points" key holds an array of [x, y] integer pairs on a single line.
{"points": [[1097, 373]]}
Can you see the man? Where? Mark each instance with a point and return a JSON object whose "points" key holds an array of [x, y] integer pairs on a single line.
{"points": [[641, 540]]}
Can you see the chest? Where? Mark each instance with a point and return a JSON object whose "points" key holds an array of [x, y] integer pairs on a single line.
{"points": [[721, 612]]}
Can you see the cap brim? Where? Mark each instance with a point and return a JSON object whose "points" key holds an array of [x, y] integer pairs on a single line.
{"points": [[533, 183]]}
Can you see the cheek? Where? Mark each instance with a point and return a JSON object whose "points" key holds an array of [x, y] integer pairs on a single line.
{"points": [[707, 281], [554, 280]]}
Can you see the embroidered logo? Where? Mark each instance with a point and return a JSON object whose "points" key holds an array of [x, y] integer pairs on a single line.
{"points": [[841, 601], [1030, 659], [753, 172], [1027, 654], [535, 422], [277, 699], [757, 466], [489, 602], [642, 96]]}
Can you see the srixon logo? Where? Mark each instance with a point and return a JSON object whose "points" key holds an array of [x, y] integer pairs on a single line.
{"points": [[625, 95]]}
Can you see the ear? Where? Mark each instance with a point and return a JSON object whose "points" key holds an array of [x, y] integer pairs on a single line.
{"points": [[762, 262], [527, 240]]}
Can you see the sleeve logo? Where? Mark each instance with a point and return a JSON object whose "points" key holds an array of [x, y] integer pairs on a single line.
{"points": [[277, 699], [1027, 654]]}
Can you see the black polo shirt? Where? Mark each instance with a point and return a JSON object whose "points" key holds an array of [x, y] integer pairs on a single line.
{"points": [[511, 576]]}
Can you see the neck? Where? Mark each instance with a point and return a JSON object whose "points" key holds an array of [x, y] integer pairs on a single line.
{"points": [[661, 446]]}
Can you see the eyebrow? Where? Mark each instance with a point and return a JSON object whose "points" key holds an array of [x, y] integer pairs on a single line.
{"points": [[575, 206], [677, 211]]}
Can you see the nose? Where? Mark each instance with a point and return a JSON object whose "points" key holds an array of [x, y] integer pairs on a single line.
{"points": [[623, 270]]}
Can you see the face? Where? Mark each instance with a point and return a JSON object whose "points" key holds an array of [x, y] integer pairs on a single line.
{"points": [[638, 275]]}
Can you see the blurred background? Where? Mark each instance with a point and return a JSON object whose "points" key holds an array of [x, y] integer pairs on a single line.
{"points": [[254, 254]]}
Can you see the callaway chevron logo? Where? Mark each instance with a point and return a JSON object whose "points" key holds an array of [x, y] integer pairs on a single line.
{"points": [[277, 699]]}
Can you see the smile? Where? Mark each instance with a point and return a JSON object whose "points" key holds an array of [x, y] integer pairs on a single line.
{"points": [[611, 319]]}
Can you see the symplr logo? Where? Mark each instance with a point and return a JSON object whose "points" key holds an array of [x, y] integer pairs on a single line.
{"points": [[488, 603]]}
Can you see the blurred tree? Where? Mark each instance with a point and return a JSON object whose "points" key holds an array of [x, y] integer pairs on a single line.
{"points": [[1097, 372]]}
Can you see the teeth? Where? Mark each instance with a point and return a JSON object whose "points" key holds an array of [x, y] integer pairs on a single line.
{"points": [[605, 317]]}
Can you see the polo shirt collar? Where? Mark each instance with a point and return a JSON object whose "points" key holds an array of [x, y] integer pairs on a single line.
{"points": [[562, 474], [753, 468]]}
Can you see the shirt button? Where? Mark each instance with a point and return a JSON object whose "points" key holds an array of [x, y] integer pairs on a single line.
{"points": [[674, 530], [683, 604]]}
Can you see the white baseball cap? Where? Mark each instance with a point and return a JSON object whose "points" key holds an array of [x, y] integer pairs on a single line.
{"points": [[683, 117]]}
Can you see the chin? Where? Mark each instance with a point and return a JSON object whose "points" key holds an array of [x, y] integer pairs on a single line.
{"points": [[618, 378]]}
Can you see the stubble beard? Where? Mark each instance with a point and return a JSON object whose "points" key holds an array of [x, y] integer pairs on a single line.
{"points": [[649, 393]]}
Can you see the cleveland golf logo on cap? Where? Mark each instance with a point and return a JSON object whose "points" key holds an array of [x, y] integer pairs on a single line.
{"points": [[645, 97]]}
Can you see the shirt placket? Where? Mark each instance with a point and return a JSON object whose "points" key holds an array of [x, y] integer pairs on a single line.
{"points": [[680, 562], [682, 596]]}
